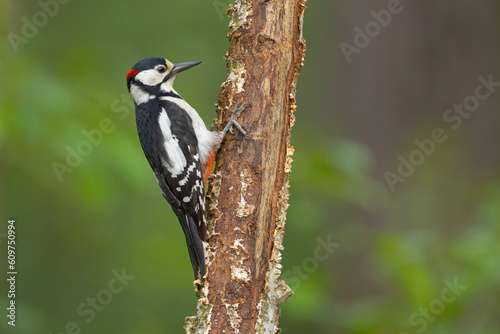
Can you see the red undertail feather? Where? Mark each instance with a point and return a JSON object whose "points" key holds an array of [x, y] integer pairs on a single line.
{"points": [[207, 167]]}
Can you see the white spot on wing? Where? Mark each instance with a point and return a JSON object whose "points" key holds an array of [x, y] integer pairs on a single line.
{"points": [[186, 199], [177, 160], [185, 179]]}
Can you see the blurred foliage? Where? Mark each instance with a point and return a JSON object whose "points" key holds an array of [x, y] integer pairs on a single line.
{"points": [[108, 213]]}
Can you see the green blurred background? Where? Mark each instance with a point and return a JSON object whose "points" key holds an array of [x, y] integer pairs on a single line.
{"points": [[390, 255]]}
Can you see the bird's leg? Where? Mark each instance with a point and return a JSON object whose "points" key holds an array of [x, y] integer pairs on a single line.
{"points": [[232, 121]]}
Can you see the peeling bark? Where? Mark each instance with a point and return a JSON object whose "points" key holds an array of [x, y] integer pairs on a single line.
{"points": [[248, 194]]}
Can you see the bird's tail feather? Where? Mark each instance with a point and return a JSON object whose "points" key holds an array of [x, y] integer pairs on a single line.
{"points": [[195, 246]]}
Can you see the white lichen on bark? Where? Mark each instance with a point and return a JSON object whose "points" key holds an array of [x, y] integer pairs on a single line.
{"points": [[236, 70], [213, 193], [234, 318], [237, 77], [238, 14], [200, 323], [244, 209], [239, 272]]}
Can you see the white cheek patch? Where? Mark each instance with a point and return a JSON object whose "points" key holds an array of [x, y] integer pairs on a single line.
{"points": [[139, 95], [177, 160], [150, 77], [167, 86]]}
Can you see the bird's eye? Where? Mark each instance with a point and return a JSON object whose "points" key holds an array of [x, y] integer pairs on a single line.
{"points": [[161, 69]]}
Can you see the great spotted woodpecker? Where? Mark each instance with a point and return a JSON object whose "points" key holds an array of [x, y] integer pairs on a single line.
{"points": [[177, 144]]}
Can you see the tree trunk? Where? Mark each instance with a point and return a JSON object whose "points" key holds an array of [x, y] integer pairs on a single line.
{"points": [[247, 195]]}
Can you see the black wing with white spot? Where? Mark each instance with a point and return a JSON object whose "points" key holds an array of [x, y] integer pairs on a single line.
{"points": [[181, 172], [171, 147]]}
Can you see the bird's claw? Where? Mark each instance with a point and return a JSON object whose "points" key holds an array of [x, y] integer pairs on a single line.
{"points": [[232, 121]]}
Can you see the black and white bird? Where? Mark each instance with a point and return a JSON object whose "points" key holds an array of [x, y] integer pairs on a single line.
{"points": [[177, 144]]}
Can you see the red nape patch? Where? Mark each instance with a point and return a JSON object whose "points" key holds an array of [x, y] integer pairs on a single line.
{"points": [[132, 73]]}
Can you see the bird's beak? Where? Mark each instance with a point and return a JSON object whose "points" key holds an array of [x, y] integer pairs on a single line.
{"points": [[179, 67]]}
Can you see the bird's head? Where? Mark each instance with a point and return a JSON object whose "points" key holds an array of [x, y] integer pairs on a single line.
{"points": [[154, 76]]}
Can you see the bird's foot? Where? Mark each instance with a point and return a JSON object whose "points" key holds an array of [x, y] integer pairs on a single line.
{"points": [[232, 121]]}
